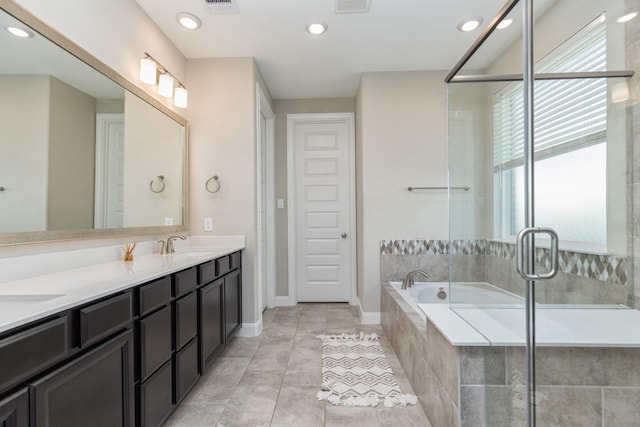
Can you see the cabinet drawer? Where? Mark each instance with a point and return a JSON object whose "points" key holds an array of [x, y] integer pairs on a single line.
{"points": [[223, 265], [156, 397], [207, 272], [186, 367], [154, 295], [155, 341], [27, 352], [235, 260], [185, 281], [186, 319], [99, 320], [14, 410]]}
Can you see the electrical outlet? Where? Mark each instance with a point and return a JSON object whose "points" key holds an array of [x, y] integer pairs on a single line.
{"points": [[280, 203], [208, 224], [168, 221]]}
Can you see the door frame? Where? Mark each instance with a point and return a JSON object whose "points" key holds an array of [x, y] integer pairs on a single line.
{"points": [[292, 208], [103, 126], [264, 108]]}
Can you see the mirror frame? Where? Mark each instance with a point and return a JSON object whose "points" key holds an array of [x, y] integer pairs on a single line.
{"points": [[29, 237]]}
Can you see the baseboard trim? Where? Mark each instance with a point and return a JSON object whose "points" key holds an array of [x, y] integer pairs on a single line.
{"points": [[285, 301], [250, 330], [369, 317]]}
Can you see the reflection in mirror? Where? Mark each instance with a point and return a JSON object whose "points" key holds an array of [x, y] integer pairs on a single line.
{"points": [[78, 150]]}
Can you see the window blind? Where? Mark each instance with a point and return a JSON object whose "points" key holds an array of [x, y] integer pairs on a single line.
{"points": [[568, 114]]}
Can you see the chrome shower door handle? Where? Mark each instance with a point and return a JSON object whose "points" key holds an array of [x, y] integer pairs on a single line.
{"points": [[520, 241]]}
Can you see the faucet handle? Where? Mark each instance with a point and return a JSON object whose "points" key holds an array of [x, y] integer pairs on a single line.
{"points": [[163, 247]]}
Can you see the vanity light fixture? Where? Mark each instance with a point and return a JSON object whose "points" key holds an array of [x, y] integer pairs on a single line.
{"points": [[149, 69], [180, 96], [165, 85], [188, 20], [316, 28], [504, 23], [627, 17], [470, 24], [20, 32]]}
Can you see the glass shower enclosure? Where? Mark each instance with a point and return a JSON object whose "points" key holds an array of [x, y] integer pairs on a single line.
{"points": [[544, 111]]}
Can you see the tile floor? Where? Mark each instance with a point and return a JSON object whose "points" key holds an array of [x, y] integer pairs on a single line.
{"points": [[272, 380]]}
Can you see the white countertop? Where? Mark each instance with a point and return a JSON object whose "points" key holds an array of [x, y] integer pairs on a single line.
{"points": [[23, 301]]}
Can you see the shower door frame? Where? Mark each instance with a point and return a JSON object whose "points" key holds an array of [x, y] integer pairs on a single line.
{"points": [[526, 237]]}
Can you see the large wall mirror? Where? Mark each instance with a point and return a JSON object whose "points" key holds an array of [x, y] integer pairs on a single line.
{"points": [[84, 153]]}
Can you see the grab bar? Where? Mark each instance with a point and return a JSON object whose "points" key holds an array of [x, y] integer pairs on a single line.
{"points": [[466, 188]]}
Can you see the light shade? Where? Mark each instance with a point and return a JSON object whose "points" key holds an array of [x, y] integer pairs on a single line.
{"points": [[470, 24], [165, 85], [628, 17], [189, 20], [317, 28], [180, 97], [148, 71], [20, 32], [504, 23]]}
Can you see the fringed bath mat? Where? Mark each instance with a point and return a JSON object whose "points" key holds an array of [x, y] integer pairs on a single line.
{"points": [[355, 372]]}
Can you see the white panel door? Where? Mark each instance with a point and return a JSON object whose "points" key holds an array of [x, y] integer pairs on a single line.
{"points": [[323, 211]]}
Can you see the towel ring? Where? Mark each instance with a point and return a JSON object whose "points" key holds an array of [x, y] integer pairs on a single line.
{"points": [[161, 179], [217, 182]]}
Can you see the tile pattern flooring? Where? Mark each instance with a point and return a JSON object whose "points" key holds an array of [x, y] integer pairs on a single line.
{"points": [[272, 380]]}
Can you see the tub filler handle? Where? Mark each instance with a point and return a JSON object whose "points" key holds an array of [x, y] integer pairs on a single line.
{"points": [[520, 249]]}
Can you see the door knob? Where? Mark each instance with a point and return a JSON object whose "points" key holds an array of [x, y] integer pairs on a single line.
{"points": [[343, 235]]}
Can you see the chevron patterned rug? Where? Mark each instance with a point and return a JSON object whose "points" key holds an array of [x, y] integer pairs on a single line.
{"points": [[355, 372]]}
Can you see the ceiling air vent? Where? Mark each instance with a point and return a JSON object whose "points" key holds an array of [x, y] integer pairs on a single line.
{"points": [[222, 6], [352, 6]]}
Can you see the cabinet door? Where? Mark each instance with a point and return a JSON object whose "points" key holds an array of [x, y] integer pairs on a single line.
{"points": [[232, 303], [211, 322], [14, 410], [94, 390]]}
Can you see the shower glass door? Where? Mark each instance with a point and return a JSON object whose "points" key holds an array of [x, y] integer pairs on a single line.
{"points": [[547, 148]]}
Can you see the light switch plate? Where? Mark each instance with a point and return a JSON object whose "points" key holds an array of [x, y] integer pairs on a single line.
{"points": [[280, 203], [168, 221]]}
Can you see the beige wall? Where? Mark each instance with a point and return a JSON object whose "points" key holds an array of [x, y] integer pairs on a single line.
{"points": [[401, 142], [222, 116], [24, 152], [72, 136], [281, 109]]}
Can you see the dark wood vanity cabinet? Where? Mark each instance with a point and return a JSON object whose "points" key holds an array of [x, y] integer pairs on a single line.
{"points": [[123, 360]]}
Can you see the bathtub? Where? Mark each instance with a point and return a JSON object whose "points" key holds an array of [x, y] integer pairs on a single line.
{"points": [[483, 314]]}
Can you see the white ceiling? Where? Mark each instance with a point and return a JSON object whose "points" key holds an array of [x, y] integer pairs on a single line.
{"points": [[395, 35]]}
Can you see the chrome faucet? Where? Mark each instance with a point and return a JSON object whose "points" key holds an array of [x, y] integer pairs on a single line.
{"points": [[408, 282], [168, 247]]}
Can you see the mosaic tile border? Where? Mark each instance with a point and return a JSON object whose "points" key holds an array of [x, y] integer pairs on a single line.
{"points": [[605, 268]]}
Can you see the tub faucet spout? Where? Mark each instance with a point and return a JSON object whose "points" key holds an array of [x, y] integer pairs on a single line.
{"points": [[408, 281]]}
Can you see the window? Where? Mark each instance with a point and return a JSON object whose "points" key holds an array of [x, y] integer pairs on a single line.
{"points": [[570, 124]]}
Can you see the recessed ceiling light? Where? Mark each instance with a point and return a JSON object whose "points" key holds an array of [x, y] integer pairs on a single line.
{"points": [[470, 24], [627, 17], [317, 28], [188, 20], [505, 23], [20, 32]]}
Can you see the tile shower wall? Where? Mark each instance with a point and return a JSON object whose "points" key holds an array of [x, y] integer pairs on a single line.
{"points": [[582, 279]]}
